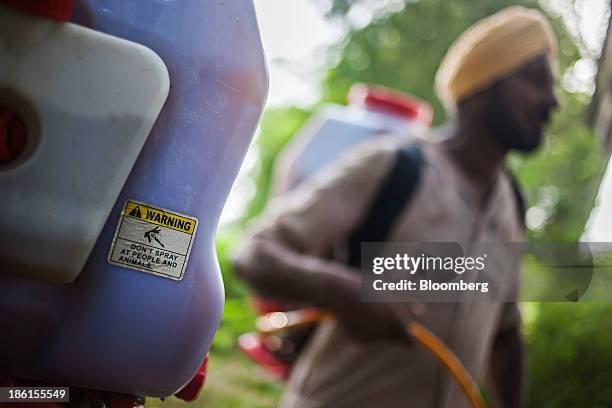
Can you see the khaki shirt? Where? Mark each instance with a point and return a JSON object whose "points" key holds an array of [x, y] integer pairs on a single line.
{"points": [[337, 371]]}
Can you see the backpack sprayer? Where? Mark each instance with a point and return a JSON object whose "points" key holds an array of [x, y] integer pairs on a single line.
{"points": [[122, 128], [373, 111]]}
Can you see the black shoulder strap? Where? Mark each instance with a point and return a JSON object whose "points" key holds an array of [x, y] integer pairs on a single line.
{"points": [[518, 197], [394, 194]]}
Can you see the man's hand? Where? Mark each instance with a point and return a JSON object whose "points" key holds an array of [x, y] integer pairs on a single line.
{"points": [[277, 271], [366, 321]]}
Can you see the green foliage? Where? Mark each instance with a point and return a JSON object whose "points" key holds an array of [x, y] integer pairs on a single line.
{"points": [[562, 177], [226, 241], [276, 129], [570, 356]]}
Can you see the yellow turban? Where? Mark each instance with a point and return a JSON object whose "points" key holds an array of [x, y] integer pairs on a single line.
{"points": [[490, 50]]}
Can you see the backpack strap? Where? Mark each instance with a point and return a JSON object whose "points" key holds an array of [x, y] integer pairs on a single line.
{"points": [[395, 193], [392, 197]]}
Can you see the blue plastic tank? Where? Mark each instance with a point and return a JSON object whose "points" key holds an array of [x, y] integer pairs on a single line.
{"points": [[122, 330]]}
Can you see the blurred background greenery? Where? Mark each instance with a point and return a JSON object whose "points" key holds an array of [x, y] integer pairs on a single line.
{"points": [[400, 45]]}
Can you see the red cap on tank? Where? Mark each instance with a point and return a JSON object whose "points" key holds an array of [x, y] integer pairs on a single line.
{"points": [[383, 99], [59, 10], [192, 390]]}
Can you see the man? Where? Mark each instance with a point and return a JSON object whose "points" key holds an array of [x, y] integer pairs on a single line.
{"points": [[498, 78]]}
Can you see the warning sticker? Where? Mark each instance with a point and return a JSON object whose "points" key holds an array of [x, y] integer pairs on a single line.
{"points": [[153, 240]]}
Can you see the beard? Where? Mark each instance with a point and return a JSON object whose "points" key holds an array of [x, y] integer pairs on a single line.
{"points": [[507, 130]]}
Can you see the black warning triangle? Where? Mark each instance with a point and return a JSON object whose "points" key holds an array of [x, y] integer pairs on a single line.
{"points": [[136, 212]]}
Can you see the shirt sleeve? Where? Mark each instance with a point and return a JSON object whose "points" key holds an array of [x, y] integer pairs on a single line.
{"points": [[323, 211]]}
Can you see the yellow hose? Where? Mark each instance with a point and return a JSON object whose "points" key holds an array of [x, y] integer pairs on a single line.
{"points": [[281, 321], [450, 361]]}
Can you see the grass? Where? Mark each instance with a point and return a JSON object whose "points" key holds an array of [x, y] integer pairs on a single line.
{"points": [[232, 382]]}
